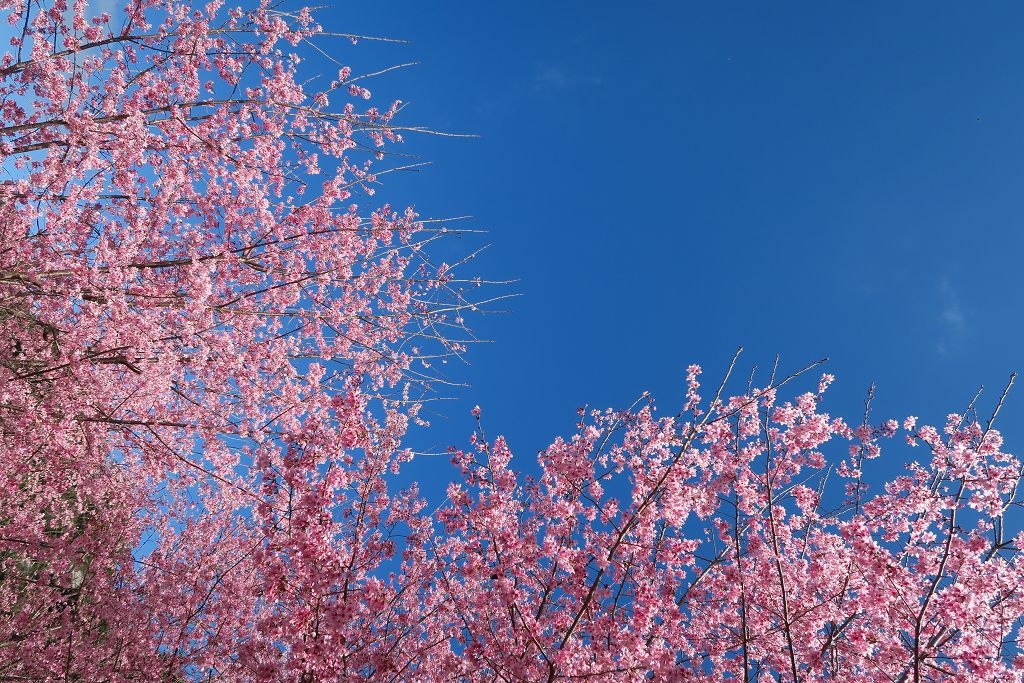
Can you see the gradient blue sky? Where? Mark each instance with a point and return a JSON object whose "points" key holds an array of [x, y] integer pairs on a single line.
{"points": [[671, 180]]}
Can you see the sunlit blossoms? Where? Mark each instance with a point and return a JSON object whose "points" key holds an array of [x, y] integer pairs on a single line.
{"points": [[714, 545], [206, 368]]}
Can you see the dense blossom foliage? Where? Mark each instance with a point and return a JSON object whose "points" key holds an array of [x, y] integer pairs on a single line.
{"points": [[209, 362], [702, 547], [199, 332]]}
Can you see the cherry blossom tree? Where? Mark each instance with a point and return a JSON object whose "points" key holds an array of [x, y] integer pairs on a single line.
{"points": [[210, 359], [210, 354], [712, 545]]}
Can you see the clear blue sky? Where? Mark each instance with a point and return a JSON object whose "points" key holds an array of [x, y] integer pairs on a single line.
{"points": [[671, 180]]}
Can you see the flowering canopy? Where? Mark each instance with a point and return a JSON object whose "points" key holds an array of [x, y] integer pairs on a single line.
{"points": [[207, 370], [199, 332]]}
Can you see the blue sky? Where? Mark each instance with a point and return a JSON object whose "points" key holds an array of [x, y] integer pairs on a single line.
{"points": [[671, 180]]}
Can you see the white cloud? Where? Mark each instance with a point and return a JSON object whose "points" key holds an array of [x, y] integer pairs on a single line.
{"points": [[551, 77], [952, 318]]}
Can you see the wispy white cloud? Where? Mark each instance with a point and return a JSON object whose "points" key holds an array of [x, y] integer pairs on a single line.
{"points": [[952, 318], [551, 77], [556, 77]]}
